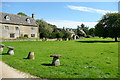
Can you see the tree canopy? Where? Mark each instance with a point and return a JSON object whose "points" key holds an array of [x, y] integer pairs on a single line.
{"points": [[21, 13], [45, 29], [92, 32], [51, 31], [109, 26]]}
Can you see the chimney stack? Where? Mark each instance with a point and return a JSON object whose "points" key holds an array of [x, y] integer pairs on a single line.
{"points": [[33, 16]]}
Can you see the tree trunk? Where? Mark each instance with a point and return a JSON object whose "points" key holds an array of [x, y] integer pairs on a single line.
{"points": [[116, 39]]}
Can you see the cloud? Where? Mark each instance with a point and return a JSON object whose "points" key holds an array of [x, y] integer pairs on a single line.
{"points": [[71, 24], [92, 10]]}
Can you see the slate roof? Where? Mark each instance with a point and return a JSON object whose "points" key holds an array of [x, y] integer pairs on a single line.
{"points": [[17, 19]]}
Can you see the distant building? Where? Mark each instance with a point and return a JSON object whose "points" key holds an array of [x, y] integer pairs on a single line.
{"points": [[73, 35], [14, 26]]}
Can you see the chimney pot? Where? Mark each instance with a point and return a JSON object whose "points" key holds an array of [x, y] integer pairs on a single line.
{"points": [[33, 16]]}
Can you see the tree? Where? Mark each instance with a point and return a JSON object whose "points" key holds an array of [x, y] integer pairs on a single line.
{"points": [[21, 13], [59, 35], [109, 26], [44, 34], [80, 31], [67, 35], [92, 32], [46, 30], [84, 28]]}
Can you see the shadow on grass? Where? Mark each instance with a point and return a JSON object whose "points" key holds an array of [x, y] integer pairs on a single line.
{"points": [[4, 54], [47, 64], [96, 41], [25, 58]]}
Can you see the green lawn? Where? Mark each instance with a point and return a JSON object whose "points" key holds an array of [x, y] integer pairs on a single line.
{"points": [[86, 58]]}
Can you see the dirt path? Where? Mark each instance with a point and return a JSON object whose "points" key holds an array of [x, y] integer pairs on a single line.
{"points": [[9, 72]]}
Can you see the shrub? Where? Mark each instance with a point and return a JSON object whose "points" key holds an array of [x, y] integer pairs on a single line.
{"points": [[22, 37], [88, 36], [81, 35], [59, 35], [67, 35], [52, 35], [26, 35], [45, 34]]}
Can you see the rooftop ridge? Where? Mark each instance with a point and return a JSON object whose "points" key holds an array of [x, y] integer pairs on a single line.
{"points": [[17, 19], [17, 15]]}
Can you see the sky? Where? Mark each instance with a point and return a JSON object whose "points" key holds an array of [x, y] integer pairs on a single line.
{"points": [[63, 14]]}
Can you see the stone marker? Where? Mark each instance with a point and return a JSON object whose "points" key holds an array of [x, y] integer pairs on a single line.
{"points": [[55, 61], [1, 47], [31, 55], [10, 50]]}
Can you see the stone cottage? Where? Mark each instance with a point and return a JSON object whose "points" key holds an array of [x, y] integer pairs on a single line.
{"points": [[13, 26], [73, 35]]}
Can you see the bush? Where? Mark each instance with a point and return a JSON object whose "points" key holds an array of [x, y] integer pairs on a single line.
{"points": [[44, 34], [88, 36], [26, 35], [52, 35], [22, 37], [67, 35], [59, 35]]}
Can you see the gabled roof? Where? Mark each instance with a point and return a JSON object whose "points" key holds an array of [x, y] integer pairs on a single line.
{"points": [[16, 19]]}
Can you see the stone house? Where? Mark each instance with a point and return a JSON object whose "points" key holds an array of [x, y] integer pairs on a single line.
{"points": [[73, 35], [13, 26]]}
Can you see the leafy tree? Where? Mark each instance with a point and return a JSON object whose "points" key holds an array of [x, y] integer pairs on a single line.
{"points": [[44, 35], [80, 31], [92, 32], [59, 35], [52, 35], [109, 26], [45, 29], [21, 13], [82, 26], [67, 34]]}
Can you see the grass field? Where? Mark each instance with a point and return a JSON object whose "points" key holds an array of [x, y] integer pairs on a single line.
{"points": [[86, 58]]}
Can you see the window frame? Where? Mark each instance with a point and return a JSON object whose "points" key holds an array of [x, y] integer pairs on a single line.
{"points": [[12, 35], [32, 35], [28, 20], [32, 28], [6, 27], [16, 28], [7, 17]]}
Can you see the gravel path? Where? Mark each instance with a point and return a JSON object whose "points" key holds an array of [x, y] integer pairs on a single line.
{"points": [[9, 72]]}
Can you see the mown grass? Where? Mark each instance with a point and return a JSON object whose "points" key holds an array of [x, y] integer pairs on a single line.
{"points": [[86, 58]]}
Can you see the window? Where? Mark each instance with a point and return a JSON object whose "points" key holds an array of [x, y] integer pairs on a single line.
{"points": [[6, 28], [16, 28], [32, 28], [7, 17], [28, 20], [12, 35], [32, 35]]}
